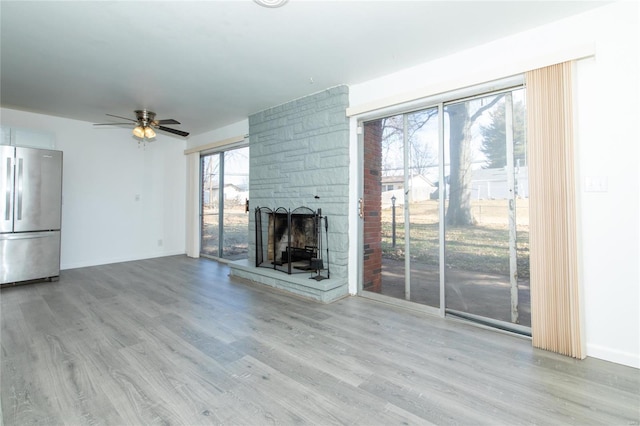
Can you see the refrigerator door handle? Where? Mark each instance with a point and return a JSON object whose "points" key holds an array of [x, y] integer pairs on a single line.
{"points": [[25, 236], [7, 204], [19, 189]]}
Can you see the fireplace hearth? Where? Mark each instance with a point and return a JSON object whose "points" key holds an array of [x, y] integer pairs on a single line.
{"points": [[290, 240]]}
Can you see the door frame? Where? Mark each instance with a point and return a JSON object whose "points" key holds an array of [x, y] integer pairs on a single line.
{"points": [[221, 151], [438, 101]]}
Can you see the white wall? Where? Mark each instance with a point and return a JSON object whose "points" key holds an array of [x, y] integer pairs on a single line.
{"points": [[104, 171], [606, 147], [241, 128]]}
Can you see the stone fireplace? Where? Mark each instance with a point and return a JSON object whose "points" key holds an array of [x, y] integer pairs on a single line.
{"points": [[299, 156]]}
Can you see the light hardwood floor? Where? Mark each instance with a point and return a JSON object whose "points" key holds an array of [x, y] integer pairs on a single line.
{"points": [[175, 341]]}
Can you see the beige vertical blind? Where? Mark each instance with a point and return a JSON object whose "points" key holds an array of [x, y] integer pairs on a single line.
{"points": [[193, 205], [555, 301]]}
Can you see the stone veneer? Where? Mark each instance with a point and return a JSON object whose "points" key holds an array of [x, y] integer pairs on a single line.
{"points": [[299, 156]]}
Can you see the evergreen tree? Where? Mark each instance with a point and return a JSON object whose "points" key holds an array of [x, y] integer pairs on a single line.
{"points": [[494, 140]]}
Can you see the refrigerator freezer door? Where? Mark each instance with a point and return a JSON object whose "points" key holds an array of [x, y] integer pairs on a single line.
{"points": [[6, 188], [29, 256], [38, 189]]}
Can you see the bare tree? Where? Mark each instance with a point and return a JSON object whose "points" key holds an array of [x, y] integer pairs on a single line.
{"points": [[210, 171], [462, 116], [391, 143], [421, 157]]}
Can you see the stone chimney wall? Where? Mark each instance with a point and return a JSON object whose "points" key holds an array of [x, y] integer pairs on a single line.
{"points": [[299, 156]]}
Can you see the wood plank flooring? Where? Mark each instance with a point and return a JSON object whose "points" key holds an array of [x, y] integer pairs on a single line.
{"points": [[174, 341]]}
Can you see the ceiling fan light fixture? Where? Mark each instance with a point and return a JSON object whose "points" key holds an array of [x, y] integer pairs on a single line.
{"points": [[149, 133], [138, 132]]}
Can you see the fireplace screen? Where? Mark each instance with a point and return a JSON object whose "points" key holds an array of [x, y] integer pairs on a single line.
{"points": [[289, 240]]}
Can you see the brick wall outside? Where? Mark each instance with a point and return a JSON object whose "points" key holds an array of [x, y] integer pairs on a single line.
{"points": [[372, 278], [299, 156]]}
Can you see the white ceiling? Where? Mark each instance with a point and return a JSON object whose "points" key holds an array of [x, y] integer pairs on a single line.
{"points": [[212, 63]]}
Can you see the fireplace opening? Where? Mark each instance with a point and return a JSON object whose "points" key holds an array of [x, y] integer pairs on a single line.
{"points": [[289, 240]]}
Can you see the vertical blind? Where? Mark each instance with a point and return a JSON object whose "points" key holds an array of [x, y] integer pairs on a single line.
{"points": [[555, 299], [193, 205]]}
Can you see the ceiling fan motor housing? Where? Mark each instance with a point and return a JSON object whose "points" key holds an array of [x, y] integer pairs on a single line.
{"points": [[145, 118]]}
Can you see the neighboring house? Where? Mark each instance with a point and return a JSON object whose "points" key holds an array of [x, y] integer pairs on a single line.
{"points": [[420, 189], [486, 184], [491, 184], [232, 193]]}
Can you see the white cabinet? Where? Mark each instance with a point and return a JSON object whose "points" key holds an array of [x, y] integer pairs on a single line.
{"points": [[17, 136]]}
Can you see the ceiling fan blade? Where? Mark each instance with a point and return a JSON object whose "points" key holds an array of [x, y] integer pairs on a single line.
{"points": [[111, 124], [124, 118], [167, 121], [174, 131]]}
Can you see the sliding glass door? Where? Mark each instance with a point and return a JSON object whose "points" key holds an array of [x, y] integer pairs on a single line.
{"points": [[224, 193], [445, 208]]}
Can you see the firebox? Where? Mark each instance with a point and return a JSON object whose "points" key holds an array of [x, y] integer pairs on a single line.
{"points": [[289, 240]]}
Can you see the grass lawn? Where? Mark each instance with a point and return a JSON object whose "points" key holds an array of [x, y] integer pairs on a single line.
{"points": [[236, 232], [483, 247]]}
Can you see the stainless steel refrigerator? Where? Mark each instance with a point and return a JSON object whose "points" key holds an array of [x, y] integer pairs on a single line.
{"points": [[30, 205]]}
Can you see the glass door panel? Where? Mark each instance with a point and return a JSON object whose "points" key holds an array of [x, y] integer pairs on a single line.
{"points": [[401, 225], [392, 178], [210, 205], [383, 268], [236, 192], [481, 238], [423, 206], [521, 203]]}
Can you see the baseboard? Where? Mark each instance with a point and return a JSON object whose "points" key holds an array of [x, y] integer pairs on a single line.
{"points": [[608, 354], [107, 261]]}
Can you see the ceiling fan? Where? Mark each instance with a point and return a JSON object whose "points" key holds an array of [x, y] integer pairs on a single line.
{"points": [[145, 122]]}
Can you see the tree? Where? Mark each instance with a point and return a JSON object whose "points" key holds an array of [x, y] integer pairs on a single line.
{"points": [[210, 166], [462, 116], [392, 145], [421, 158], [494, 138]]}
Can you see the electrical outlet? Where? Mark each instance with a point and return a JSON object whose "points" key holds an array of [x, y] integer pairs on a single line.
{"points": [[159, 243]]}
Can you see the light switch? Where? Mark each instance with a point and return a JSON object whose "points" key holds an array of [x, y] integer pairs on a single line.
{"points": [[596, 184]]}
